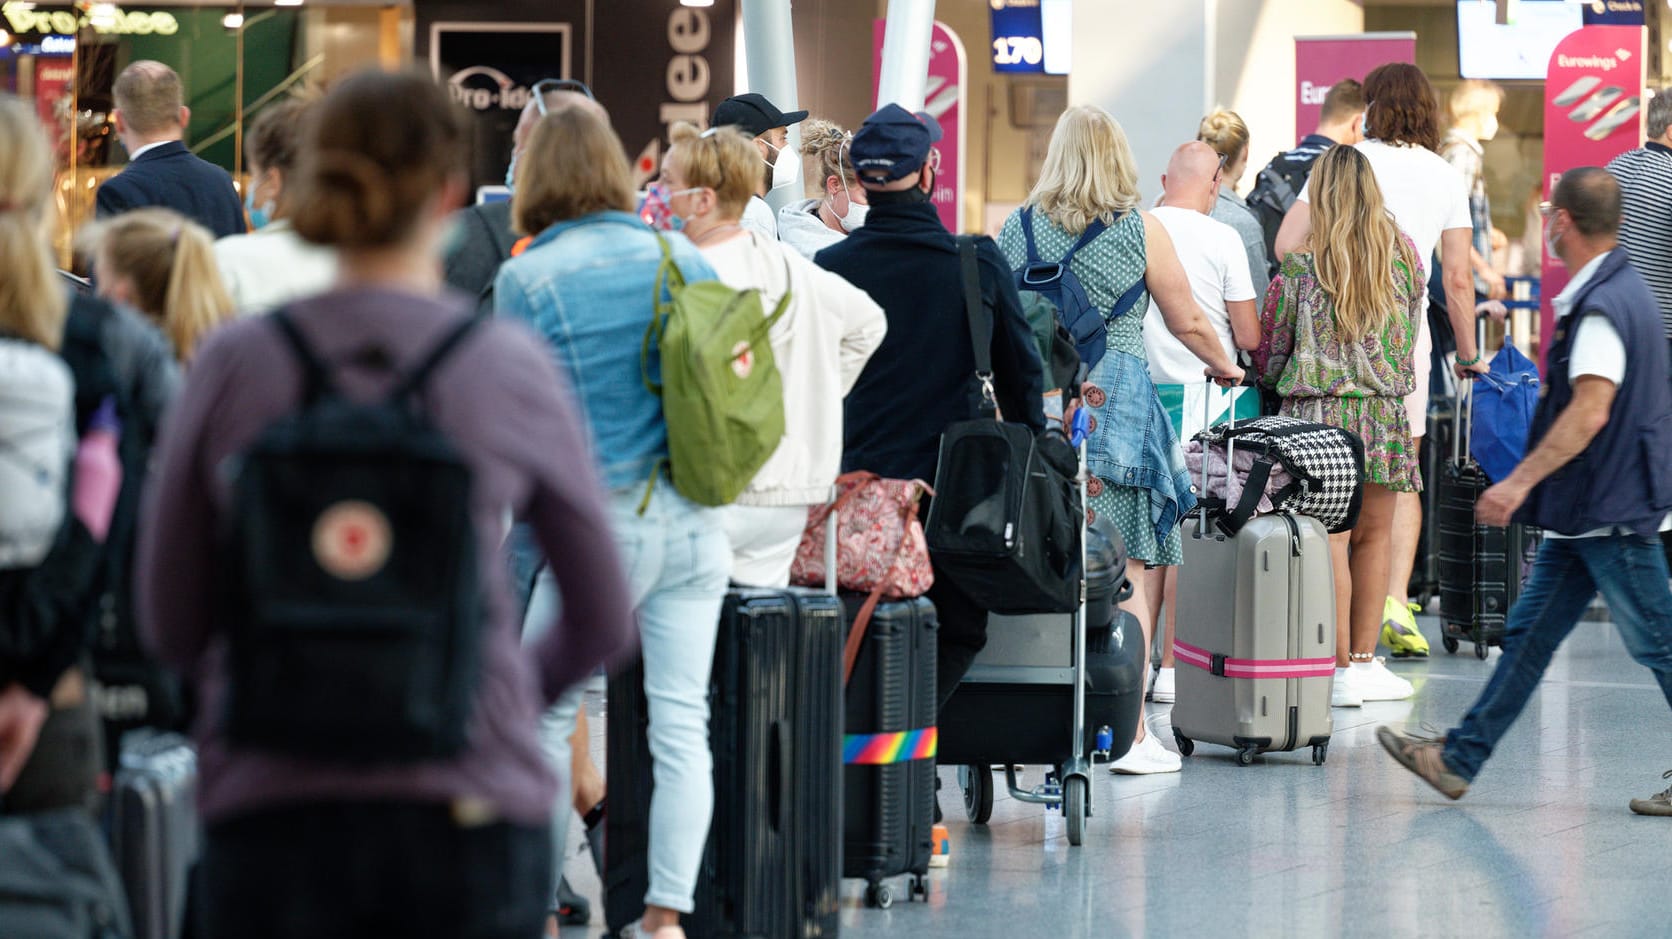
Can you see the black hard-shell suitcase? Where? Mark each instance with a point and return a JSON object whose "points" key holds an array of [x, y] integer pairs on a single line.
{"points": [[1424, 584], [888, 819], [154, 830], [771, 866], [1481, 567]]}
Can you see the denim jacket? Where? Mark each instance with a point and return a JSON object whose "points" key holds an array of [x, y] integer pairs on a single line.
{"points": [[1132, 439], [589, 287]]}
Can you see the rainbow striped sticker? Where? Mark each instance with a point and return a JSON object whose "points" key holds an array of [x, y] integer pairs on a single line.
{"points": [[882, 749]]}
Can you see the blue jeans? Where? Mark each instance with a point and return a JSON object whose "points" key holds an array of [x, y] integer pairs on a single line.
{"points": [[1629, 570], [678, 562]]}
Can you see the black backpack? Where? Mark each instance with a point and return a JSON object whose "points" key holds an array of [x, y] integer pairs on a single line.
{"points": [[1276, 188], [354, 604]]}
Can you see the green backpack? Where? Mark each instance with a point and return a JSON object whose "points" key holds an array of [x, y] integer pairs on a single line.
{"points": [[722, 397]]}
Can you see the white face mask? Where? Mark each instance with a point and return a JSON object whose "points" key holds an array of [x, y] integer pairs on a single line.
{"points": [[854, 218], [786, 169]]}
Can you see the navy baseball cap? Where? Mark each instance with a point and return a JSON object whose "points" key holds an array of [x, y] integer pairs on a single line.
{"points": [[754, 114], [893, 144]]}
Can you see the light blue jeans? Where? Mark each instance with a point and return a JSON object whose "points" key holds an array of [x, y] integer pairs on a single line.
{"points": [[678, 562]]}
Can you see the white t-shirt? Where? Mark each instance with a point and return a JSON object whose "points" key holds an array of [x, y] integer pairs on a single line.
{"points": [[1426, 194], [1213, 258]]}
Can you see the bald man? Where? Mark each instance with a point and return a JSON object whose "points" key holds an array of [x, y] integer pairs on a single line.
{"points": [[151, 118], [1216, 263], [484, 240]]}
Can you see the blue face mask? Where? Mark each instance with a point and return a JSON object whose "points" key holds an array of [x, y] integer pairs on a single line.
{"points": [[260, 215], [511, 171]]}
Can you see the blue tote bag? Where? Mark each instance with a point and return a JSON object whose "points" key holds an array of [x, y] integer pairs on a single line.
{"points": [[1504, 401]]}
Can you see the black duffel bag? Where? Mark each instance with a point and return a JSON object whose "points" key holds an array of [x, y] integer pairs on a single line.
{"points": [[1004, 525]]}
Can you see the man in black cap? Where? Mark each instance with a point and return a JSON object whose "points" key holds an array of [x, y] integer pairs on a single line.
{"points": [[922, 378], [761, 119]]}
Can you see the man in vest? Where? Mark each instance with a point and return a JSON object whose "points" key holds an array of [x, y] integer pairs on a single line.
{"points": [[1597, 479]]}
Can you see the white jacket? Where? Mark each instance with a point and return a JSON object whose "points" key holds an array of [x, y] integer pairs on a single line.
{"points": [[800, 227], [273, 266], [821, 345]]}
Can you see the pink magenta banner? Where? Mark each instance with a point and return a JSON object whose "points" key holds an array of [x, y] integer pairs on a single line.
{"points": [[1321, 61], [1593, 112], [943, 94]]}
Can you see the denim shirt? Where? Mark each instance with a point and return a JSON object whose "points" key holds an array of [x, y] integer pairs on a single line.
{"points": [[589, 287], [1132, 440]]}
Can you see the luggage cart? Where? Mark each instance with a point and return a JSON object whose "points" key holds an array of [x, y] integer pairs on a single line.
{"points": [[1024, 661]]}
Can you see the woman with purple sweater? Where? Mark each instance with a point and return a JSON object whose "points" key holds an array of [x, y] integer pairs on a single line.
{"points": [[452, 847]]}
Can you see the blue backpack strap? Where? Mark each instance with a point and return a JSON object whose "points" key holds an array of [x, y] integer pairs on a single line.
{"points": [[1088, 236], [1027, 232], [1129, 299]]}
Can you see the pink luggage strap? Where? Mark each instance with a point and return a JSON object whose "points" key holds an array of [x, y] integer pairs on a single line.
{"points": [[1227, 667]]}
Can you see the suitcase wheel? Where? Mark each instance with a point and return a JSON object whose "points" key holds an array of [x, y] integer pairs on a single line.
{"points": [[1185, 744], [1319, 754], [978, 792], [1245, 756], [1481, 651], [1450, 642], [879, 896], [920, 888]]}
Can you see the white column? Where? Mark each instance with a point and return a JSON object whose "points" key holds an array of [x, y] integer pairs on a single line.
{"points": [[905, 53], [769, 42]]}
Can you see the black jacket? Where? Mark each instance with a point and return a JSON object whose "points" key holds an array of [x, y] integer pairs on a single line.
{"points": [[922, 378], [483, 242], [171, 177]]}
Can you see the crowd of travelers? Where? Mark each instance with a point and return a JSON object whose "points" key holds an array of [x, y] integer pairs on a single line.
{"points": [[350, 271]]}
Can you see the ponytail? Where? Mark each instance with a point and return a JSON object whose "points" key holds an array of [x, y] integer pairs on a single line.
{"points": [[196, 300], [170, 261], [32, 303]]}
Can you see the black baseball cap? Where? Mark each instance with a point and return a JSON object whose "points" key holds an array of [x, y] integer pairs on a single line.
{"points": [[893, 144], [754, 114]]}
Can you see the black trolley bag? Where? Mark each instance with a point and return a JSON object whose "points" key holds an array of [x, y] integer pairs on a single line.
{"points": [[1002, 525], [771, 866], [889, 748], [1481, 567]]}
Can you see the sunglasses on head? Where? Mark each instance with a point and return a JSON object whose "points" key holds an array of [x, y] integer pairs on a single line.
{"points": [[546, 85]]}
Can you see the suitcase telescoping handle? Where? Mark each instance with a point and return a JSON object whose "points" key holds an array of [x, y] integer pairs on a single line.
{"points": [[1463, 418], [1230, 450]]}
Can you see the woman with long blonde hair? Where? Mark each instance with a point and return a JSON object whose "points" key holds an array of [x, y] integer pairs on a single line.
{"points": [[1089, 187], [1341, 321], [163, 264]]}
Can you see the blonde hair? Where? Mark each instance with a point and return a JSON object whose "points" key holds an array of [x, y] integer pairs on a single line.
{"points": [[1475, 96], [1355, 244], [824, 146], [1089, 171], [721, 158], [573, 166], [170, 260], [32, 303], [1226, 132]]}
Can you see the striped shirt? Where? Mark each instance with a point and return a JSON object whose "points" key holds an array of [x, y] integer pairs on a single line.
{"points": [[1645, 176]]}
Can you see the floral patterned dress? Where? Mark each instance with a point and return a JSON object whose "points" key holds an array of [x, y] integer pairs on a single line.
{"points": [[1358, 386]]}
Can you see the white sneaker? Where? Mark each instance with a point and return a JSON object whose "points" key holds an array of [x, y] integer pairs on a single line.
{"points": [[1377, 683], [1347, 692], [1162, 691], [1146, 757]]}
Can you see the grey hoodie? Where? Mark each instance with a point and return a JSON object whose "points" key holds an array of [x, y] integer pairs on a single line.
{"points": [[800, 227]]}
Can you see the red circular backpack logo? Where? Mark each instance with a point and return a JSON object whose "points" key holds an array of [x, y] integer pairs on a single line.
{"points": [[743, 359], [351, 540]]}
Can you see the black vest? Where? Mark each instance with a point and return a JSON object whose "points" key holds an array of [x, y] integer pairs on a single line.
{"points": [[1624, 477]]}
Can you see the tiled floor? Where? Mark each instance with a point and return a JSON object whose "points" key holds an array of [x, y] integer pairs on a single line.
{"points": [[1543, 845]]}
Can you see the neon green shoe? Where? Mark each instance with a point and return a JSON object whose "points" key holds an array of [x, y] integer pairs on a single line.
{"points": [[1399, 630]]}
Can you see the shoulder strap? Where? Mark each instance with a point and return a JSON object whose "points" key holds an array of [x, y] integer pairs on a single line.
{"points": [[1129, 299], [416, 378], [1088, 236], [1027, 233], [316, 375], [980, 322]]}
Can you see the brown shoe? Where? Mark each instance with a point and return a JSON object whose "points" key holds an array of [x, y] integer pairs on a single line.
{"points": [[1658, 804], [1422, 755]]}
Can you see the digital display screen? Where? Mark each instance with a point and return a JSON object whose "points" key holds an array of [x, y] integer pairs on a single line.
{"points": [[1520, 49]]}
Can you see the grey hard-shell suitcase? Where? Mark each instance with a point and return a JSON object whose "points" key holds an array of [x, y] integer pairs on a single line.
{"points": [[154, 836], [1255, 640]]}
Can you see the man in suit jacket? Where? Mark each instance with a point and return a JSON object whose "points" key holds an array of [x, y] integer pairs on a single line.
{"points": [[151, 119]]}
